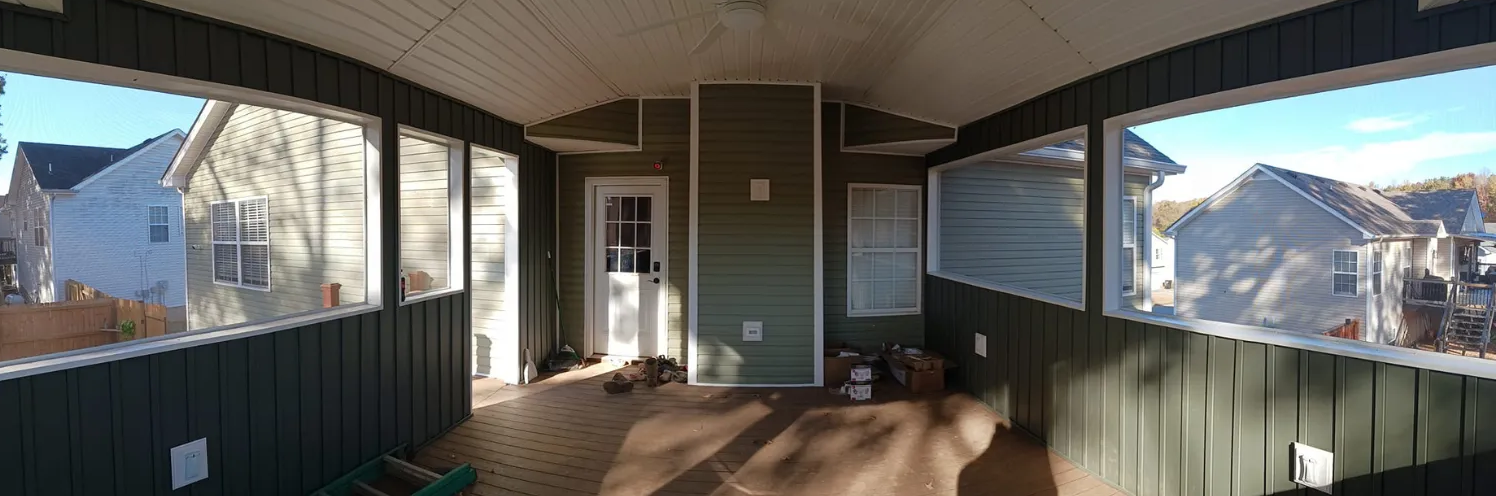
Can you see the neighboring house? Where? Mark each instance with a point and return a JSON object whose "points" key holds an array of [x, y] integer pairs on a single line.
{"points": [[97, 215], [1161, 262], [987, 204], [7, 248], [1284, 249], [251, 166]]}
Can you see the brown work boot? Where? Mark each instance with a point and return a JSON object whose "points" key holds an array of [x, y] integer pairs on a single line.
{"points": [[651, 372], [619, 384]]}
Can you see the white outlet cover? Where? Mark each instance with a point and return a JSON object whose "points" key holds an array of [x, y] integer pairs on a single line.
{"points": [[189, 463], [1312, 467], [753, 330], [981, 344]]}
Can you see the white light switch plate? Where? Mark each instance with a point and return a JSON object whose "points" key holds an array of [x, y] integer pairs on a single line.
{"points": [[1312, 467], [189, 463], [981, 344], [753, 330], [758, 189]]}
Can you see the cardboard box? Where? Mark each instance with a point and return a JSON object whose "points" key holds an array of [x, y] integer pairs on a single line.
{"points": [[918, 381], [838, 370]]}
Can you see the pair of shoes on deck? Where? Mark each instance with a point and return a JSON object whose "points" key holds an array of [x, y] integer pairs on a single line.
{"points": [[619, 384]]}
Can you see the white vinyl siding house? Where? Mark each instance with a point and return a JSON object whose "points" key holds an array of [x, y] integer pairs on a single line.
{"points": [[425, 236], [493, 207], [96, 225], [308, 174], [1264, 255]]}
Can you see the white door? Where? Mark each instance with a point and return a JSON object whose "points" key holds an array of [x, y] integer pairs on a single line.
{"points": [[628, 269]]}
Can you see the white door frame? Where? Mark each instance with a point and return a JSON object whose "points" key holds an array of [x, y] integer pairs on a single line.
{"points": [[662, 220]]}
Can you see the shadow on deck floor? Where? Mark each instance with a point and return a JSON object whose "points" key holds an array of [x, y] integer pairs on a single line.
{"points": [[564, 435]]}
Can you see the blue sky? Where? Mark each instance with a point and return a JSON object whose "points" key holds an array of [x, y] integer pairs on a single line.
{"points": [[61, 111], [1412, 129]]}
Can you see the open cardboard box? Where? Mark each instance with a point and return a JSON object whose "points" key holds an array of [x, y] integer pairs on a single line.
{"points": [[838, 370]]}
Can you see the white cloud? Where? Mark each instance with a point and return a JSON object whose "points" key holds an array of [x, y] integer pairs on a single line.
{"points": [[1384, 123], [1382, 162]]}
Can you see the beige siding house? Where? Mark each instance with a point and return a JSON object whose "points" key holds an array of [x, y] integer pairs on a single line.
{"points": [[1280, 248], [274, 204]]}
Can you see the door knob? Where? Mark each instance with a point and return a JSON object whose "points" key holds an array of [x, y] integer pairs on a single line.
{"points": [[656, 280]]}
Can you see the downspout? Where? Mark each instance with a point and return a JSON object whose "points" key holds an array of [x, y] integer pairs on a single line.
{"points": [[1147, 279]]}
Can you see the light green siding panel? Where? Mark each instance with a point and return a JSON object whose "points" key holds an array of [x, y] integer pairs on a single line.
{"points": [[312, 172], [667, 138], [756, 132], [837, 171], [867, 126], [613, 122]]}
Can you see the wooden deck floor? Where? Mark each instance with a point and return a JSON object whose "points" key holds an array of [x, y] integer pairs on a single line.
{"points": [[564, 435]]}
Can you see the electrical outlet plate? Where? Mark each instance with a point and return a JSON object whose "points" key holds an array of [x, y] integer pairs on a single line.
{"points": [[758, 189], [1312, 467], [981, 344], [189, 463], [753, 330]]}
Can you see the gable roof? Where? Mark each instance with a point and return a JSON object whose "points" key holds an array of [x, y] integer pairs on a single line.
{"points": [[59, 166], [210, 121], [1133, 146], [1448, 206], [1370, 211]]}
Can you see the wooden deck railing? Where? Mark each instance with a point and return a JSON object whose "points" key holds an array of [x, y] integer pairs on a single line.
{"points": [[1351, 329]]}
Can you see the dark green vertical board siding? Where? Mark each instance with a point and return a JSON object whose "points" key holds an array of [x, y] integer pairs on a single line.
{"points": [[613, 122], [1177, 412], [866, 126], [1325, 38], [838, 169], [284, 412]]}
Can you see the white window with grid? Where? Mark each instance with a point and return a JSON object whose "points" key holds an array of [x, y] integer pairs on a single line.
{"points": [[1345, 270], [884, 247], [1130, 235], [241, 242], [159, 224], [1376, 272]]}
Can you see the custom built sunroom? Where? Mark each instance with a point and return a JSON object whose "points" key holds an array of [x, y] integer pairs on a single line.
{"points": [[394, 211]]}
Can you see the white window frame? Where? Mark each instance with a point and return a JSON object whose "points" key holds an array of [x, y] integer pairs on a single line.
{"points": [[1132, 262], [932, 214], [456, 162], [1335, 271], [150, 222], [1378, 271], [1110, 145], [374, 276], [238, 243], [918, 251]]}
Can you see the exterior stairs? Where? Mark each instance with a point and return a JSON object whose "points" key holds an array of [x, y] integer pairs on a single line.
{"points": [[1467, 320]]}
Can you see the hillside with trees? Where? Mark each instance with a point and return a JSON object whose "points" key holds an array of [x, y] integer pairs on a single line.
{"points": [[1165, 212]]}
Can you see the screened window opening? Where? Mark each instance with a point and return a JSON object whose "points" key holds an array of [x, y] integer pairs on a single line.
{"points": [[1015, 223], [884, 248], [427, 165]]}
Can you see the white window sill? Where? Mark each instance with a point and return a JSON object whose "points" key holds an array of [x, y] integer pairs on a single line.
{"points": [[429, 295], [1012, 290], [883, 313], [265, 289], [1407, 357], [161, 344]]}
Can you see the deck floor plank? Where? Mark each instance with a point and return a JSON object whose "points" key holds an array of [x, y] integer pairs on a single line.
{"points": [[564, 435]]}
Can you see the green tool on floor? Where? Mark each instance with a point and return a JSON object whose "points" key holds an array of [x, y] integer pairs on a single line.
{"points": [[391, 476]]}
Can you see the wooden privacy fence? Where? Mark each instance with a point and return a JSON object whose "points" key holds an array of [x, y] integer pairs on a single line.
{"points": [[90, 319], [1351, 329]]}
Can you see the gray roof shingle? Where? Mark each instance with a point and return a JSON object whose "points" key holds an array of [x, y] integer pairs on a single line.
{"points": [[1133, 146], [1383, 214], [64, 166]]}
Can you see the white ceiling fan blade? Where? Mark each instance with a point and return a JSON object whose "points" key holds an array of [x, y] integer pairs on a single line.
{"points": [[711, 37], [814, 22], [668, 22]]}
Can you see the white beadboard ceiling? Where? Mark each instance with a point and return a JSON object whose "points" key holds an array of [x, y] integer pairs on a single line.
{"points": [[948, 61]]}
